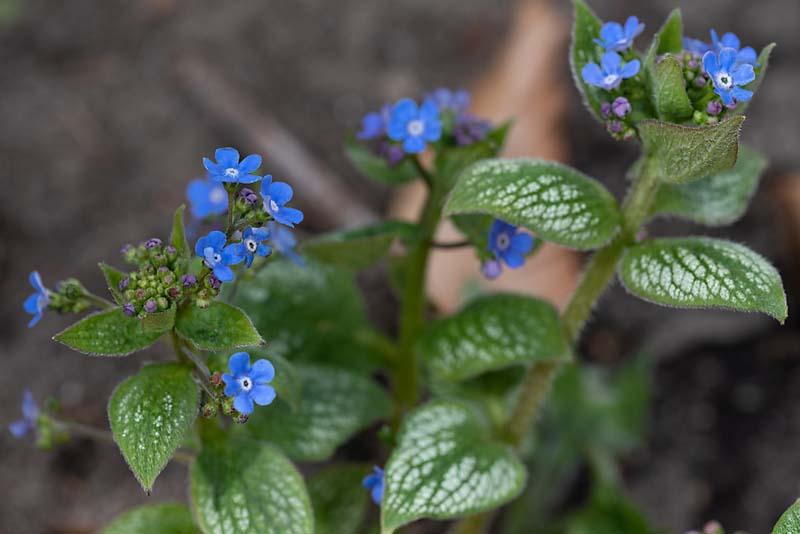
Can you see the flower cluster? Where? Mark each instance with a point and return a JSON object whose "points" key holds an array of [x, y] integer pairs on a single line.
{"points": [[160, 281], [237, 392], [507, 244], [616, 74], [717, 73], [253, 218], [408, 127]]}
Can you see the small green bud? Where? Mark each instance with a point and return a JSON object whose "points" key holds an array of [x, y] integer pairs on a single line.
{"points": [[130, 294], [163, 303], [240, 418], [227, 406], [209, 410]]}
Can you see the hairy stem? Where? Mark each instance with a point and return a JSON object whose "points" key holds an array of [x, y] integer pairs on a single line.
{"points": [[412, 314], [98, 301]]}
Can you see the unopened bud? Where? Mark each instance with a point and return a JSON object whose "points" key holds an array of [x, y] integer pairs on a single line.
{"points": [[150, 306], [621, 107], [714, 108], [152, 243], [163, 303], [129, 309], [209, 410], [188, 280], [216, 379]]}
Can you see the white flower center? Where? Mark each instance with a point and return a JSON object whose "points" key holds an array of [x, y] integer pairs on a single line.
{"points": [[217, 195], [232, 172], [217, 258], [724, 80], [273, 206], [610, 79], [245, 383], [415, 127], [251, 245], [503, 241]]}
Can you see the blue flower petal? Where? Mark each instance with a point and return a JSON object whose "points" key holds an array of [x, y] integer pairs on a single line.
{"points": [[747, 55], [257, 233], [741, 95], [239, 363], [31, 304], [592, 74], [630, 69], [514, 259], [30, 410], [522, 243], [227, 157], [263, 250], [611, 62], [743, 74], [232, 386], [727, 59], [19, 428], [262, 371], [710, 63], [289, 216], [243, 403], [250, 163], [262, 395], [281, 193], [223, 273], [413, 145], [248, 178], [36, 281]]}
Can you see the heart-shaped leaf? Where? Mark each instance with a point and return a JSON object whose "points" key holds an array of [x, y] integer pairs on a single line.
{"points": [[789, 522], [312, 313], [445, 467], [583, 50], [150, 414], [240, 486], [717, 200], [701, 272], [492, 333], [154, 519], [338, 498], [107, 333], [683, 154], [557, 203], [218, 327], [334, 404]]}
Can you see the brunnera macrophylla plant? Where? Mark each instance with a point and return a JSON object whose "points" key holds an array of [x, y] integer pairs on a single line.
{"points": [[274, 359]]}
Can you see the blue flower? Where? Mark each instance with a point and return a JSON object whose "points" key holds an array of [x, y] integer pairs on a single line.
{"points": [[217, 256], [276, 196], [730, 40], [248, 384], [373, 125], [611, 71], [252, 245], [374, 484], [228, 168], [207, 198], [414, 125], [445, 99], [37, 303], [507, 244], [727, 76], [284, 242], [30, 414], [616, 38]]}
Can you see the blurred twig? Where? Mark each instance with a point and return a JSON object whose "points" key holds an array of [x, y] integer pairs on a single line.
{"points": [[321, 191]]}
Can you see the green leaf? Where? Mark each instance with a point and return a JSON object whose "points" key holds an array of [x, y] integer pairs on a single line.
{"points": [[154, 519], [240, 486], [450, 161], [334, 404], [683, 154], [338, 498], [150, 413], [717, 200], [669, 90], [178, 236], [359, 248], [761, 71], [701, 272], [159, 322], [310, 313], [556, 202], [583, 50], [789, 522], [218, 327], [113, 278], [107, 333], [492, 333], [445, 466], [375, 167], [669, 39]]}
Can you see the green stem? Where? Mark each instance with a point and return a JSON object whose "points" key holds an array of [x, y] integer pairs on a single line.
{"points": [[98, 301], [596, 278], [412, 314]]}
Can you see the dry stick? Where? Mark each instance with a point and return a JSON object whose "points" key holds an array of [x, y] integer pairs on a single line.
{"points": [[239, 112]]}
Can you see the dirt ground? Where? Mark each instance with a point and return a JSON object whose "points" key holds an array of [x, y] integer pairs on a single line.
{"points": [[100, 134]]}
